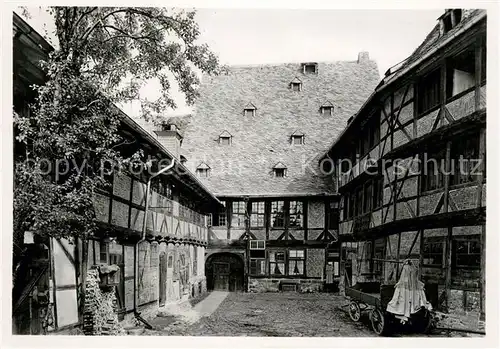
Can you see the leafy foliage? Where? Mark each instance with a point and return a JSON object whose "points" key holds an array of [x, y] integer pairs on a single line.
{"points": [[74, 126]]}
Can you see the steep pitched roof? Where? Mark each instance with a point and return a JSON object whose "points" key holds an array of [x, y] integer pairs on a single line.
{"points": [[244, 167], [434, 41]]}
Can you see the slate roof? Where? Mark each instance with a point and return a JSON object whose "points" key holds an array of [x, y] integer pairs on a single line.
{"points": [[261, 141], [433, 41]]}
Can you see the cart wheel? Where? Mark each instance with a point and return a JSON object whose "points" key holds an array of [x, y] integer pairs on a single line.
{"points": [[379, 323], [354, 311]]}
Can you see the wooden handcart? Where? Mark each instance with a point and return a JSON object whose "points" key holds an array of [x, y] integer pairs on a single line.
{"points": [[373, 297]]}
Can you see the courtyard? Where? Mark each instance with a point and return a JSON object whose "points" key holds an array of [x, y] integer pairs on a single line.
{"points": [[266, 315]]}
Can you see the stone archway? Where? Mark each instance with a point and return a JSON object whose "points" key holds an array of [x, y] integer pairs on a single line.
{"points": [[225, 271]]}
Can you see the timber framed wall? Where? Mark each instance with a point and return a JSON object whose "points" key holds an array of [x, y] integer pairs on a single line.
{"points": [[436, 111], [292, 250]]}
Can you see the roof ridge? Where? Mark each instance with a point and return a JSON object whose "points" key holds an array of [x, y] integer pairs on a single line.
{"points": [[257, 65]]}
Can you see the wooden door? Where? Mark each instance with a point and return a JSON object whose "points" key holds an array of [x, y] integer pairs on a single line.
{"points": [[221, 276], [163, 278], [172, 285]]}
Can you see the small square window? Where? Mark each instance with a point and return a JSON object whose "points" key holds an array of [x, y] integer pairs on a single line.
{"points": [[202, 172], [310, 68], [328, 110], [249, 112], [296, 86], [297, 139], [257, 245], [225, 140], [279, 172]]}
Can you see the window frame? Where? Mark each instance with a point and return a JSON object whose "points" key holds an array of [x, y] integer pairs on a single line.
{"points": [[274, 214], [247, 111], [259, 214], [294, 139], [323, 109], [222, 139], [296, 86], [468, 240], [297, 213], [296, 259], [433, 240], [432, 79], [239, 214], [275, 262], [281, 171], [201, 171], [468, 147], [435, 181]]}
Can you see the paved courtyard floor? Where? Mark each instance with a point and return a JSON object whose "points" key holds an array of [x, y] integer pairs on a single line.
{"points": [[265, 314]]}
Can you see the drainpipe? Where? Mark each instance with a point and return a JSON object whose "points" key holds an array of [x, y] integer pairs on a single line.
{"points": [[143, 238]]}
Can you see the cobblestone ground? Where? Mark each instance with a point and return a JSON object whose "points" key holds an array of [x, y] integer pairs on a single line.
{"points": [[274, 314]]}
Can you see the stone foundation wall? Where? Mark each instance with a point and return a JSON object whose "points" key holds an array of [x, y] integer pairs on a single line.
{"points": [[275, 285]]}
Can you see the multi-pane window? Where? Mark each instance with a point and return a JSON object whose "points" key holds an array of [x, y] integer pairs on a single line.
{"points": [[428, 91], [296, 214], [219, 218], [257, 257], [433, 254], [238, 215], [433, 176], [277, 262], [296, 262], [258, 214], [103, 252], [278, 214], [465, 161], [468, 253]]}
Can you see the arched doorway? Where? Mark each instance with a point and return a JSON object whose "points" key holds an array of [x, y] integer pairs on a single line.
{"points": [[225, 271]]}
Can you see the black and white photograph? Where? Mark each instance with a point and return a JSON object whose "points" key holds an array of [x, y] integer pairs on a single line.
{"points": [[214, 171]]}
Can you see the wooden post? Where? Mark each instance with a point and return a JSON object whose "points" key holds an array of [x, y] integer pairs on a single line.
{"points": [[447, 286], [478, 71], [479, 195], [397, 256]]}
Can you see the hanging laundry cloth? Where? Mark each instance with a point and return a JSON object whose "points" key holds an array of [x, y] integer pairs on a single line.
{"points": [[409, 296]]}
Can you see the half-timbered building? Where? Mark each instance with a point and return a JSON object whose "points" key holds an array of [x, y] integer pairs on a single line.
{"points": [[411, 168], [255, 139], [159, 264]]}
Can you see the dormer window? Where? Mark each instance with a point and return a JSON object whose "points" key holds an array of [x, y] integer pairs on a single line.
{"points": [[326, 108], [249, 110], [296, 85], [203, 170], [297, 138], [225, 138], [280, 170], [310, 68], [450, 19]]}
